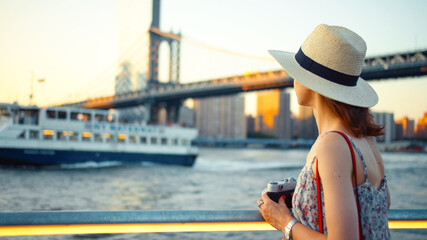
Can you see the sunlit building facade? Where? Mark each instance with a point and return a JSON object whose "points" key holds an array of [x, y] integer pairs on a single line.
{"points": [[408, 127], [273, 114], [186, 116], [268, 108], [221, 117], [421, 128]]}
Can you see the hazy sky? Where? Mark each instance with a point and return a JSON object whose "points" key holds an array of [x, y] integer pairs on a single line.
{"points": [[75, 44]]}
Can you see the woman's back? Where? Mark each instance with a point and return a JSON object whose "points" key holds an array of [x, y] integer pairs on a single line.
{"points": [[371, 156], [371, 188]]}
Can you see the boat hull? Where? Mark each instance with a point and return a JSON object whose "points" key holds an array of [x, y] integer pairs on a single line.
{"points": [[46, 157]]}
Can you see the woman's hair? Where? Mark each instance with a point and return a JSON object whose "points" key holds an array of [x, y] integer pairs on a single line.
{"points": [[358, 119]]}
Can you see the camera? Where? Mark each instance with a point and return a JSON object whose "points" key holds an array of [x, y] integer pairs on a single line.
{"points": [[276, 189]]}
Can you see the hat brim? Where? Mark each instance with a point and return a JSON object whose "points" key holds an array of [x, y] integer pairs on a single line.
{"points": [[361, 95]]}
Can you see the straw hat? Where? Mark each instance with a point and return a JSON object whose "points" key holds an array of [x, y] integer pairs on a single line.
{"points": [[330, 62]]}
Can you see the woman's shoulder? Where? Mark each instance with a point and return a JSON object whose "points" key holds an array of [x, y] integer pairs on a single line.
{"points": [[331, 142], [333, 150]]}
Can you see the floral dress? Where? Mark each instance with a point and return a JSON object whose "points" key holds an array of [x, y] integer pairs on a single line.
{"points": [[373, 203]]}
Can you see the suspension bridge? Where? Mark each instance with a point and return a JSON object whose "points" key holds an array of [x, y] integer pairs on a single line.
{"points": [[171, 94]]}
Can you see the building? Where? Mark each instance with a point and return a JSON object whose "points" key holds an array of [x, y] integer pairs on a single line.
{"points": [[408, 127], [307, 127], [267, 109], [259, 123], [387, 120], [283, 121], [186, 116], [294, 126], [250, 124], [421, 128], [273, 114], [221, 117], [398, 130]]}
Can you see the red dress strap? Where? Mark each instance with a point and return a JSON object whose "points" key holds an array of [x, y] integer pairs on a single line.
{"points": [[319, 202]]}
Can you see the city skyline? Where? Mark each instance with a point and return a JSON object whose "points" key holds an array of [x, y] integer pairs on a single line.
{"points": [[72, 44]]}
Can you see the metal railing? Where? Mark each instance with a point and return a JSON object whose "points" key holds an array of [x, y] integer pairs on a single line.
{"points": [[108, 222]]}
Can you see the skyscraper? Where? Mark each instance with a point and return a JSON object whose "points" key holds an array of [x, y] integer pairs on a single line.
{"points": [[273, 113], [408, 127], [250, 124], [268, 108], [421, 129], [387, 120], [307, 127], [186, 116], [283, 125], [398, 130], [221, 117]]}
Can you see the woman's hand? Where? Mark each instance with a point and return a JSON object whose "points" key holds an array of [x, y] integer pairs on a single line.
{"points": [[276, 214]]}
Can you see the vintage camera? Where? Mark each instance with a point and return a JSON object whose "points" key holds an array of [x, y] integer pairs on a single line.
{"points": [[276, 189]]}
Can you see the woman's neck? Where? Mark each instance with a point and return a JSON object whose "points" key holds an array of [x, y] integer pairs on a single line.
{"points": [[326, 120]]}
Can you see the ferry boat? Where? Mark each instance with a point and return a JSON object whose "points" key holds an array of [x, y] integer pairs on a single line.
{"points": [[35, 136]]}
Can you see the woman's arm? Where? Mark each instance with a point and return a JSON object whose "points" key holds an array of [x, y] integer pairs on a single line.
{"points": [[335, 169], [278, 215]]}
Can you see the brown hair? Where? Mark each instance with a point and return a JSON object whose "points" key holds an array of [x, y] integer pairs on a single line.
{"points": [[357, 119]]}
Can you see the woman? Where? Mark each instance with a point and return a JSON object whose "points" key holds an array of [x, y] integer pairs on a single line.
{"points": [[353, 203]]}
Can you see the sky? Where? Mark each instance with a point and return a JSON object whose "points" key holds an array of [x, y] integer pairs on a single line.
{"points": [[77, 45]]}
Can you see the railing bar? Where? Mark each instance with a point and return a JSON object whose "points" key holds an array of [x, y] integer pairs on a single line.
{"points": [[194, 216]]}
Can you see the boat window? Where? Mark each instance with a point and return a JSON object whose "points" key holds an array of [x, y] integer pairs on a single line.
{"points": [[61, 136], [22, 135], [164, 141], [110, 118], [73, 115], [100, 117], [132, 139], [34, 134], [50, 114], [62, 115], [85, 117], [26, 116], [153, 140], [21, 116], [143, 140], [74, 136], [98, 137], [184, 142], [86, 136], [4, 112], [121, 138], [80, 116], [48, 134], [109, 137], [175, 141]]}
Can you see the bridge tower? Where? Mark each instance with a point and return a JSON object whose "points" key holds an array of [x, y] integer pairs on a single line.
{"points": [[156, 38], [174, 42]]}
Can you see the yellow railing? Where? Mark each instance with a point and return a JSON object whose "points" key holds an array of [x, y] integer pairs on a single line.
{"points": [[102, 222]]}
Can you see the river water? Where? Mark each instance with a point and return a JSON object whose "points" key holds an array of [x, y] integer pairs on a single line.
{"points": [[221, 179]]}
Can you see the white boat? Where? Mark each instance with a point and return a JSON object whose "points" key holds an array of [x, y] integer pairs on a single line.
{"points": [[30, 135]]}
